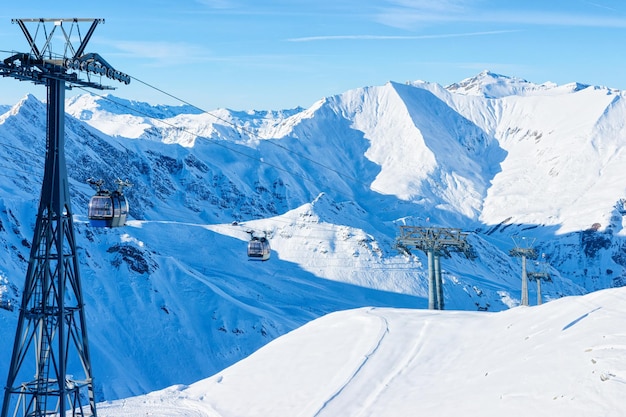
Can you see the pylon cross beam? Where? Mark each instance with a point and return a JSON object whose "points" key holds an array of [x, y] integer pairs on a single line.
{"points": [[45, 50], [70, 64], [435, 241], [438, 239], [534, 276]]}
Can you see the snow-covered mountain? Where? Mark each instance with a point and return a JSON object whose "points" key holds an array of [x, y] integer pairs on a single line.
{"points": [[563, 358], [330, 185]]}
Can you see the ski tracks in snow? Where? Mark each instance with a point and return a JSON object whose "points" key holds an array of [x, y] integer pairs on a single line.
{"points": [[373, 375], [384, 331], [402, 363]]}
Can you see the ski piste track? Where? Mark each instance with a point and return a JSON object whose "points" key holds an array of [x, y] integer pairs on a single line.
{"points": [[329, 407], [561, 358], [366, 382], [360, 378]]}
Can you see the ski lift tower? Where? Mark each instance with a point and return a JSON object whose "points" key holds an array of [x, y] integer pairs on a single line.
{"points": [[51, 327], [435, 241], [525, 252], [541, 275]]}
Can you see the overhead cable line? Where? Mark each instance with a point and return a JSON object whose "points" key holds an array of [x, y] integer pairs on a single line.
{"points": [[212, 141], [15, 169], [6, 145], [237, 127], [253, 134], [19, 162]]}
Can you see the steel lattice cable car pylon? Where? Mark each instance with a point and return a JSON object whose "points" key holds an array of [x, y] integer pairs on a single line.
{"points": [[51, 327]]}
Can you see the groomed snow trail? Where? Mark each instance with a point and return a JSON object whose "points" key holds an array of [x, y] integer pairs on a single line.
{"points": [[329, 408], [368, 383]]}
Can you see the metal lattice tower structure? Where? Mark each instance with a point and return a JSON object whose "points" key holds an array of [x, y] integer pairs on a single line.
{"points": [[51, 344], [525, 252], [540, 275], [435, 241]]}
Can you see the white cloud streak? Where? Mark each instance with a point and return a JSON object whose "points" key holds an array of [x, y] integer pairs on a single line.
{"points": [[401, 37], [410, 17], [163, 52], [218, 4]]}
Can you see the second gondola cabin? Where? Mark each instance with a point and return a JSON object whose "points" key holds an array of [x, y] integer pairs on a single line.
{"points": [[106, 208], [259, 249]]}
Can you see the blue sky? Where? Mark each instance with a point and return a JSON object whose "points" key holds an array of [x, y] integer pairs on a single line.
{"points": [[278, 54]]}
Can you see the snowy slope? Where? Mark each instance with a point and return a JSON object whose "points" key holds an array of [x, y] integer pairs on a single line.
{"points": [[564, 148], [329, 185], [490, 85], [562, 358], [167, 303]]}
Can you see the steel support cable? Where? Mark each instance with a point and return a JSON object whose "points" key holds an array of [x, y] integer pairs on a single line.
{"points": [[213, 141], [253, 134], [15, 170], [19, 162], [241, 128], [6, 145]]}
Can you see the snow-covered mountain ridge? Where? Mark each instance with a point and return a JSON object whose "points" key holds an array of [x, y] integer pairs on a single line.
{"points": [[329, 185], [562, 358]]}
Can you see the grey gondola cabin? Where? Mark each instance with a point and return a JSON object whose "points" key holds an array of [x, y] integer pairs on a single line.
{"points": [[106, 208], [259, 249]]}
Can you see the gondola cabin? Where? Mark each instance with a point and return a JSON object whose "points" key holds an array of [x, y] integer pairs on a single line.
{"points": [[259, 249], [108, 209]]}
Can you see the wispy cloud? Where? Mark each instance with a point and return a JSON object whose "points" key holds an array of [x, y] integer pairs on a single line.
{"points": [[601, 6], [166, 53], [440, 6], [554, 19], [408, 14], [401, 37], [218, 4]]}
